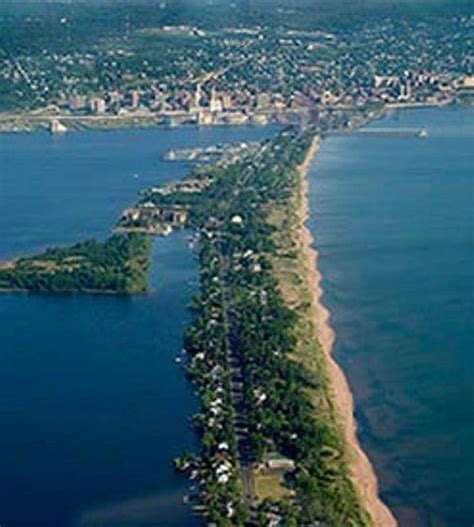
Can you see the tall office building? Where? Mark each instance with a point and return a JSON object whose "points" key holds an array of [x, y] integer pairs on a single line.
{"points": [[135, 99], [215, 104]]}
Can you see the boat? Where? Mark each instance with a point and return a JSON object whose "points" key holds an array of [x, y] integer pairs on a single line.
{"points": [[423, 133]]}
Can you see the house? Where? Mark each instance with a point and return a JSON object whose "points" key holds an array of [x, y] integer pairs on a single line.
{"points": [[280, 463], [237, 220]]}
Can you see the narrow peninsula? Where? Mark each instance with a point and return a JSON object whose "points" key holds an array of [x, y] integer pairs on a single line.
{"points": [[278, 442], [275, 434]]}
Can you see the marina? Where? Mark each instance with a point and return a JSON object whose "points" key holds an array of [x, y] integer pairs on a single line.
{"points": [[219, 152]]}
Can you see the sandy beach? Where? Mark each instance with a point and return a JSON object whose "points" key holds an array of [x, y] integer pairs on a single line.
{"points": [[362, 472]]}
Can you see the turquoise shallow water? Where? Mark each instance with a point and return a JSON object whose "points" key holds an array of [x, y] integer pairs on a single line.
{"points": [[393, 219], [93, 407]]}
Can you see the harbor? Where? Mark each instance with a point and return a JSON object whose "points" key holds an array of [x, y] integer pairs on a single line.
{"points": [[223, 152]]}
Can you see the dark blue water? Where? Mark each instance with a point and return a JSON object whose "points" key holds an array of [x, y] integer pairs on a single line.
{"points": [[394, 224], [93, 407], [63, 188]]}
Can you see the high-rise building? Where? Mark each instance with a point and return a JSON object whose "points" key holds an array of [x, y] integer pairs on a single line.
{"points": [[97, 105], [215, 104], [198, 96], [408, 89], [405, 91], [134, 99], [226, 101]]}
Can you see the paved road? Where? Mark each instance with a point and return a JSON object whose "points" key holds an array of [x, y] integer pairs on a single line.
{"points": [[241, 418], [237, 386]]}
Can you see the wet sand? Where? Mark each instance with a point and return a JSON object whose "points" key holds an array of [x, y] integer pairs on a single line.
{"points": [[362, 472]]}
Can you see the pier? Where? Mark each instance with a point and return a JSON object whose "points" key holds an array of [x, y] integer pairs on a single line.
{"points": [[383, 132]]}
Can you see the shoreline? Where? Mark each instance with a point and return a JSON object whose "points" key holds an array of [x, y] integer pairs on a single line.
{"points": [[361, 470], [31, 123]]}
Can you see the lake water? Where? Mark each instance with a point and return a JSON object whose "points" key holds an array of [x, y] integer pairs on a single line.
{"points": [[93, 407], [394, 224]]}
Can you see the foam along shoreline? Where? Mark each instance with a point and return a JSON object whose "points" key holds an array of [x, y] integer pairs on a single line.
{"points": [[362, 472]]}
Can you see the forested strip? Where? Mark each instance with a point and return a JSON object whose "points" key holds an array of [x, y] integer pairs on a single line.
{"points": [[119, 265], [283, 418]]}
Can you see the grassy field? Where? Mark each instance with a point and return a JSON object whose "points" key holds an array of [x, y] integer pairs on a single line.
{"points": [[271, 486]]}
